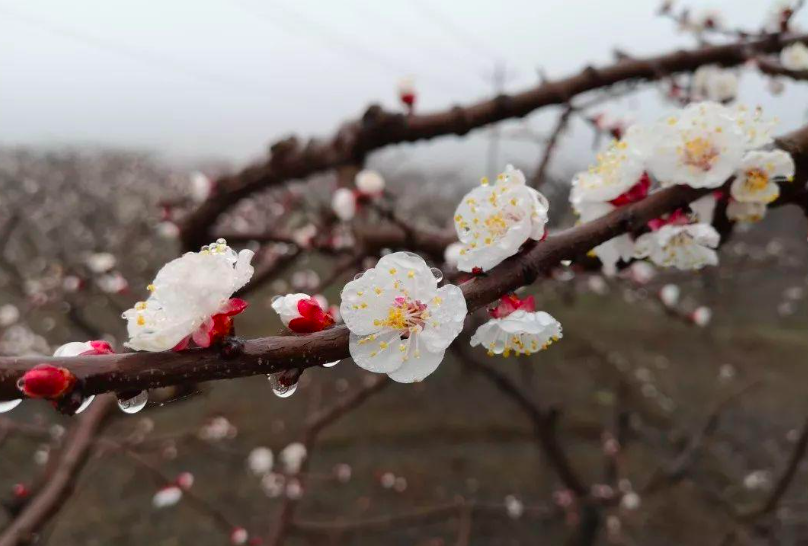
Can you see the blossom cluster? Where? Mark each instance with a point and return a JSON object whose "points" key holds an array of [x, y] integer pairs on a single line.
{"points": [[494, 220], [191, 299], [703, 146]]}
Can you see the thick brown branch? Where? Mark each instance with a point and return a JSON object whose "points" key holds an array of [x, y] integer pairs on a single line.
{"points": [[138, 371], [290, 159]]}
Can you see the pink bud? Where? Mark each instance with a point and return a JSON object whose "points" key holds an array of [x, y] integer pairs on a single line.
{"points": [[239, 536], [185, 480], [510, 303], [20, 491]]}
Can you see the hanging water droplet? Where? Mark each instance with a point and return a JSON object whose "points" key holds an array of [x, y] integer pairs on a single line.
{"points": [[284, 384], [331, 364], [437, 273], [84, 405], [135, 403], [9, 405]]}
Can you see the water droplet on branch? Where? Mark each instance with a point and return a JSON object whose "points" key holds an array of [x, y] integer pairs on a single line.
{"points": [[284, 384], [134, 404], [85, 404], [9, 405]]}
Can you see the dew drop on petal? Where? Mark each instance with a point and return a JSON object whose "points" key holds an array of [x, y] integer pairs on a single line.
{"points": [[331, 364], [358, 276], [85, 404], [437, 273], [276, 298], [135, 403], [9, 405]]}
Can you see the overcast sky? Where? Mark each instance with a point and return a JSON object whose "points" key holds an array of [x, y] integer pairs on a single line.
{"points": [[192, 78]]}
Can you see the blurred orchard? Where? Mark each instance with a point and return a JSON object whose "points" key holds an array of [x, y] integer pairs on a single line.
{"points": [[328, 347]]}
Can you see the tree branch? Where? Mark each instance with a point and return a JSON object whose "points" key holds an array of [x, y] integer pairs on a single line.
{"points": [[290, 159], [57, 489], [139, 371]]}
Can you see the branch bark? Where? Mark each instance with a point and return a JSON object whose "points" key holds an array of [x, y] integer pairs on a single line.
{"points": [[129, 372], [290, 159]]}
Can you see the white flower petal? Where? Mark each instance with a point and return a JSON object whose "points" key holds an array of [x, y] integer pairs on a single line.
{"points": [[378, 353], [417, 368]]}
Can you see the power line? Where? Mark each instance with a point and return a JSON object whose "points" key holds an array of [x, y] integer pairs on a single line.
{"points": [[148, 57], [330, 38], [392, 22], [461, 35]]}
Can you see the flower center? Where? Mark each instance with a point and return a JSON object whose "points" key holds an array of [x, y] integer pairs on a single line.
{"points": [[700, 153], [756, 180], [406, 315], [681, 239]]}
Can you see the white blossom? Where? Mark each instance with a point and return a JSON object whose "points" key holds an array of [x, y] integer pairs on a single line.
{"points": [[369, 182], [704, 208], [494, 220], [516, 327], [514, 507], [681, 246], [616, 171], [9, 314], [711, 82], [615, 249], [167, 496], [201, 187], [630, 501], [101, 262], [185, 295], [795, 57], [618, 178], [79, 348], [756, 128], [343, 203], [239, 536], [745, 212], [669, 295], [260, 460], [452, 254], [700, 147], [756, 180], [401, 323], [702, 316], [292, 457]]}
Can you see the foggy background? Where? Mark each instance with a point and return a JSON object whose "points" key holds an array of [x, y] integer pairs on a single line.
{"points": [[220, 79]]}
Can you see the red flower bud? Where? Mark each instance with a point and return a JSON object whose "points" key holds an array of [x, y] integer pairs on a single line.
{"points": [[312, 317], [510, 303], [46, 381], [20, 491], [637, 192]]}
